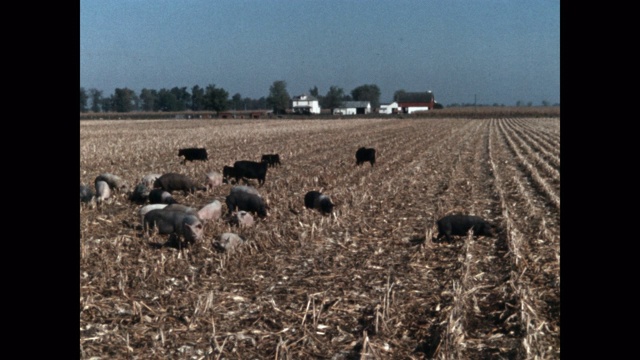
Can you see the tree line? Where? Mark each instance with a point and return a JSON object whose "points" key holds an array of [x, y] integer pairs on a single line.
{"points": [[213, 98]]}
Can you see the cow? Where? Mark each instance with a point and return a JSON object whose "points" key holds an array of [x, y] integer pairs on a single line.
{"points": [[115, 182], [365, 154], [318, 201], [192, 154], [160, 196], [180, 223], [250, 170], [271, 159], [171, 182], [458, 224], [140, 194], [246, 198], [86, 194], [212, 179], [228, 172]]}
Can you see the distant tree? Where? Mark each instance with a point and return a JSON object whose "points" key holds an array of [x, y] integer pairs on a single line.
{"points": [[183, 98], [519, 103], [334, 98], [216, 99], [84, 98], [545, 103], [314, 92], [438, 106], [108, 104], [96, 99], [149, 99], [529, 104], [197, 98], [236, 101], [278, 98], [124, 100], [369, 93], [166, 101], [398, 95]]}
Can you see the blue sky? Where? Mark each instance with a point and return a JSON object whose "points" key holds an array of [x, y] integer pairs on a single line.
{"points": [[496, 50]]}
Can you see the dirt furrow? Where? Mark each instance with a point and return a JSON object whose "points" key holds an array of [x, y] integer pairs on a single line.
{"points": [[548, 160]]}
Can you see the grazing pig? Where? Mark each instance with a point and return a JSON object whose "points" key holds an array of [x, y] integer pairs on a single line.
{"points": [[159, 196], [317, 200], [244, 218], [191, 154], [115, 182], [228, 172], [212, 179], [103, 191], [250, 170], [145, 209], [175, 182], [246, 198], [271, 159], [365, 154], [149, 179], [86, 194], [228, 242], [180, 207], [140, 194], [180, 223], [211, 211], [460, 224]]}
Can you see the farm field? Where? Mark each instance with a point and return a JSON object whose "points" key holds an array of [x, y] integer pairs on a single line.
{"points": [[366, 282]]}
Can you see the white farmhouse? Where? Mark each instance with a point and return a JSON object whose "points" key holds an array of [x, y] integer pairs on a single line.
{"points": [[305, 104], [389, 108], [353, 108]]}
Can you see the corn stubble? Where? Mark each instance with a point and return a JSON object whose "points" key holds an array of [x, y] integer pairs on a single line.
{"points": [[364, 282]]}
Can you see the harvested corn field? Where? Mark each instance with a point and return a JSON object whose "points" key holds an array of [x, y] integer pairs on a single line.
{"points": [[368, 281]]}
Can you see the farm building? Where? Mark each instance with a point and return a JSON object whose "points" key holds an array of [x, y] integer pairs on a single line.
{"points": [[415, 101], [305, 104], [353, 108], [389, 108]]}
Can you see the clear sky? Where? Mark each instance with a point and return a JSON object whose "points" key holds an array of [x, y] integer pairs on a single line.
{"points": [[500, 51]]}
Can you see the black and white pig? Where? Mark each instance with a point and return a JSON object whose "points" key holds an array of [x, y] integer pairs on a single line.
{"points": [[175, 182], [160, 196], [246, 198], [317, 200], [115, 182], [180, 223], [458, 224]]}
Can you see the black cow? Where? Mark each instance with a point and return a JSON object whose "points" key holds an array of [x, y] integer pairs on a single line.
{"points": [[317, 200], [271, 159], [174, 182], [250, 170], [227, 173], [191, 154], [458, 224], [365, 154]]}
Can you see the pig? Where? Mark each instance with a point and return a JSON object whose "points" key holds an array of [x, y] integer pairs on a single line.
{"points": [[246, 198], [145, 209], [149, 179], [365, 154], [180, 223], [86, 194], [140, 194], [212, 179], [228, 242], [116, 183], [459, 224], [180, 207], [171, 182], [103, 191], [317, 200], [159, 196], [244, 218], [246, 169], [211, 211]]}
